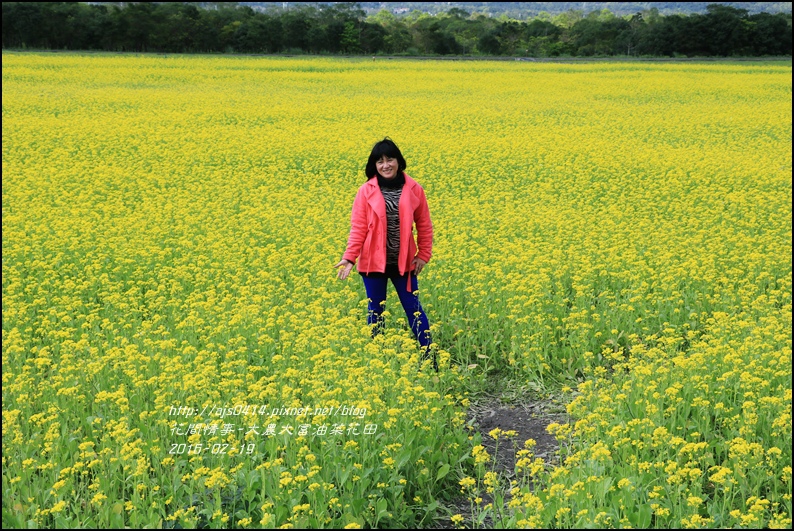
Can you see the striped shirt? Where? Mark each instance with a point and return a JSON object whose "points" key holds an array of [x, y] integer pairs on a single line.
{"points": [[392, 198]]}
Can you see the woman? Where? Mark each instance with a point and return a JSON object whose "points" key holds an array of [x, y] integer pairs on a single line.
{"points": [[381, 234]]}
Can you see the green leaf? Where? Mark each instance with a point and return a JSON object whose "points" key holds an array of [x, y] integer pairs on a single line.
{"points": [[442, 472], [641, 519], [403, 459], [644, 520], [11, 520], [115, 520]]}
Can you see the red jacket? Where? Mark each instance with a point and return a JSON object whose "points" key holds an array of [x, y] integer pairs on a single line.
{"points": [[368, 228]]}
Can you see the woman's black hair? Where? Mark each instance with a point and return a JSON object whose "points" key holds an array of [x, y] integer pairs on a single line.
{"points": [[388, 148]]}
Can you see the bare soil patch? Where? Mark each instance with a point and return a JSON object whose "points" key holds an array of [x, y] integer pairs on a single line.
{"points": [[529, 419]]}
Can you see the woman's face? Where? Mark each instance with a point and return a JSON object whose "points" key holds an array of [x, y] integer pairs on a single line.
{"points": [[387, 167]]}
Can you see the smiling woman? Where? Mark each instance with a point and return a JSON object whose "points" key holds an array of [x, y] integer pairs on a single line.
{"points": [[381, 233]]}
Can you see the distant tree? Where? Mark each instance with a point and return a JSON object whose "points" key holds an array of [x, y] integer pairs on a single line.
{"points": [[446, 44], [21, 24], [489, 43], [273, 31], [541, 28], [597, 34], [629, 38], [431, 37], [221, 24], [510, 34], [568, 18], [335, 19], [384, 17], [296, 25], [727, 30], [544, 16], [341, 27], [346, 11], [176, 27], [398, 39], [651, 16], [687, 35], [60, 19], [227, 35], [770, 34], [456, 12], [137, 22], [333, 29], [660, 36], [317, 39], [262, 33], [372, 38], [584, 36], [461, 29], [350, 38]]}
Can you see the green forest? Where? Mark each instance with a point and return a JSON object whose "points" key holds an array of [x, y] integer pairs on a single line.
{"points": [[345, 28]]}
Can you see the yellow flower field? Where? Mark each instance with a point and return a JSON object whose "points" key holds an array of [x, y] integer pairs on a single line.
{"points": [[177, 349]]}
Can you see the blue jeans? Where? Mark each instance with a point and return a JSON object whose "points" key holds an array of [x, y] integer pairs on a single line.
{"points": [[376, 292]]}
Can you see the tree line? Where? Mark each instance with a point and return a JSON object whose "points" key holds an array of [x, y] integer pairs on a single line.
{"points": [[343, 28]]}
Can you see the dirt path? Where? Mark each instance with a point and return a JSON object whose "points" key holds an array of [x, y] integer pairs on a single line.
{"points": [[529, 420]]}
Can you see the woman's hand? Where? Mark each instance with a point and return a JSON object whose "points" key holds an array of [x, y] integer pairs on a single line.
{"points": [[419, 265], [346, 266]]}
